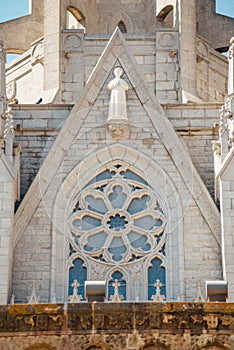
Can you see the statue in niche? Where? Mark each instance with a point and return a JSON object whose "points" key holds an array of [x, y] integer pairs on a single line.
{"points": [[117, 117]]}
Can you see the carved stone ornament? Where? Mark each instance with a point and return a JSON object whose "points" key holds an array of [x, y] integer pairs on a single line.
{"points": [[229, 105], [166, 40], [11, 90], [117, 121], [73, 42], [231, 49], [202, 49], [75, 298], [212, 321], [38, 53], [9, 131]]}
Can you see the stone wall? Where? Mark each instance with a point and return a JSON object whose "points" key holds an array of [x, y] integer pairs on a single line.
{"points": [[156, 53], [212, 72], [124, 326], [37, 127], [216, 28], [7, 197], [36, 243]]}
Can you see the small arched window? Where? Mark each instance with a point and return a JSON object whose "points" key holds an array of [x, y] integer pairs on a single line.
{"points": [[77, 272], [156, 271], [122, 27]]}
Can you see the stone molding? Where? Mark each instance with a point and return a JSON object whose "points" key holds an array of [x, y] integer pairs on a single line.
{"points": [[144, 166], [117, 49], [119, 326]]}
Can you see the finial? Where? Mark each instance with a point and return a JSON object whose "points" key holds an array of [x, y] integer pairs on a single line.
{"points": [[12, 299], [199, 297], [33, 299], [75, 298], [158, 296], [9, 124], [116, 298], [53, 299]]}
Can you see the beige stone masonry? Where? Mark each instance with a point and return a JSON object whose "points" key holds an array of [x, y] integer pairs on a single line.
{"points": [[7, 197], [158, 118]]}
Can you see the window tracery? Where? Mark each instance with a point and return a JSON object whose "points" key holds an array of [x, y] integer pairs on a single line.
{"points": [[117, 220]]}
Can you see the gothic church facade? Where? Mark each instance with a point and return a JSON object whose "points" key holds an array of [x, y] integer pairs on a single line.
{"points": [[117, 165]]}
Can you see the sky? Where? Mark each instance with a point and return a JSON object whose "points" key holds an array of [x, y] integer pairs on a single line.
{"points": [[16, 8]]}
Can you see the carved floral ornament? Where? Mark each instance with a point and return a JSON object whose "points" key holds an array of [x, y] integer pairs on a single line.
{"points": [[117, 218]]}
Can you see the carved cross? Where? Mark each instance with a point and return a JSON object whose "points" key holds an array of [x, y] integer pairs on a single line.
{"points": [[75, 298], [116, 298], [158, 296]]}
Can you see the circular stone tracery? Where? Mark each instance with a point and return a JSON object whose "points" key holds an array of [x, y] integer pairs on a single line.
{"points": [[117, 217], [117, 222]]}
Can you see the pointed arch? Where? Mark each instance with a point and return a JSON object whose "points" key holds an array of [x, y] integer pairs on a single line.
{"points": [[82, 175], [121, 18]]}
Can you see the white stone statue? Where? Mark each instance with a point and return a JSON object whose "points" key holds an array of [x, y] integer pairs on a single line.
{"points": [[118, 88]]}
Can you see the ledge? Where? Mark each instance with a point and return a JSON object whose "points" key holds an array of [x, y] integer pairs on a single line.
{"points": [[169, 318]]}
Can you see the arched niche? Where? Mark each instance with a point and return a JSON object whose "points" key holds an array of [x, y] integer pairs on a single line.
{"points": [[83, 175], [75, 19], [165, 18], [123, 21]]}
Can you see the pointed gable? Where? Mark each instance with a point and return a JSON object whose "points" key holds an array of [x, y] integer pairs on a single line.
{"points": [[117, 52]]}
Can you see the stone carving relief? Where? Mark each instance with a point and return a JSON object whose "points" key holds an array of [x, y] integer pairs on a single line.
{"points": [[120, 205], [231, 49], [38, 53], [73, 42], [202, 50], [212, 321], [11, 90], [166, 40]]}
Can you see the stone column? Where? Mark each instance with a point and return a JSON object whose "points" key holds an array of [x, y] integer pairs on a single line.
{"points": [[226, 181], [231, 68], [52, 42], [186, 21], [2, 87], [6, 226]]}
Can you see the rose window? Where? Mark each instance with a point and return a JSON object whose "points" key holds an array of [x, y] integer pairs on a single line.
{"points": [[117, 218]]}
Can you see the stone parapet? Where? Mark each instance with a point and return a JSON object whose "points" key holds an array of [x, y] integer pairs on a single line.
{"points": [[137, 326]]}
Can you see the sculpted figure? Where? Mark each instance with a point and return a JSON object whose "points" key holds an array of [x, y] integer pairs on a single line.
{"points": [[118, 88]]}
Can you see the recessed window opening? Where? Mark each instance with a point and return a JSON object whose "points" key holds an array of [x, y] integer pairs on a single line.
{"points": [[122, 27]]}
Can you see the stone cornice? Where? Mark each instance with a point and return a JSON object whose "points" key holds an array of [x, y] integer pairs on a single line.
{"points": [[88, 318]]}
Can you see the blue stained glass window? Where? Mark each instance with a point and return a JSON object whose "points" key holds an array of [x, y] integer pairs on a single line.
{"points": [[122, 288], [78, 272], [156, 271]]}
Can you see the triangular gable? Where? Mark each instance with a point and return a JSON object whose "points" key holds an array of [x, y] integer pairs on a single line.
{"points": [[117, 50]]}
